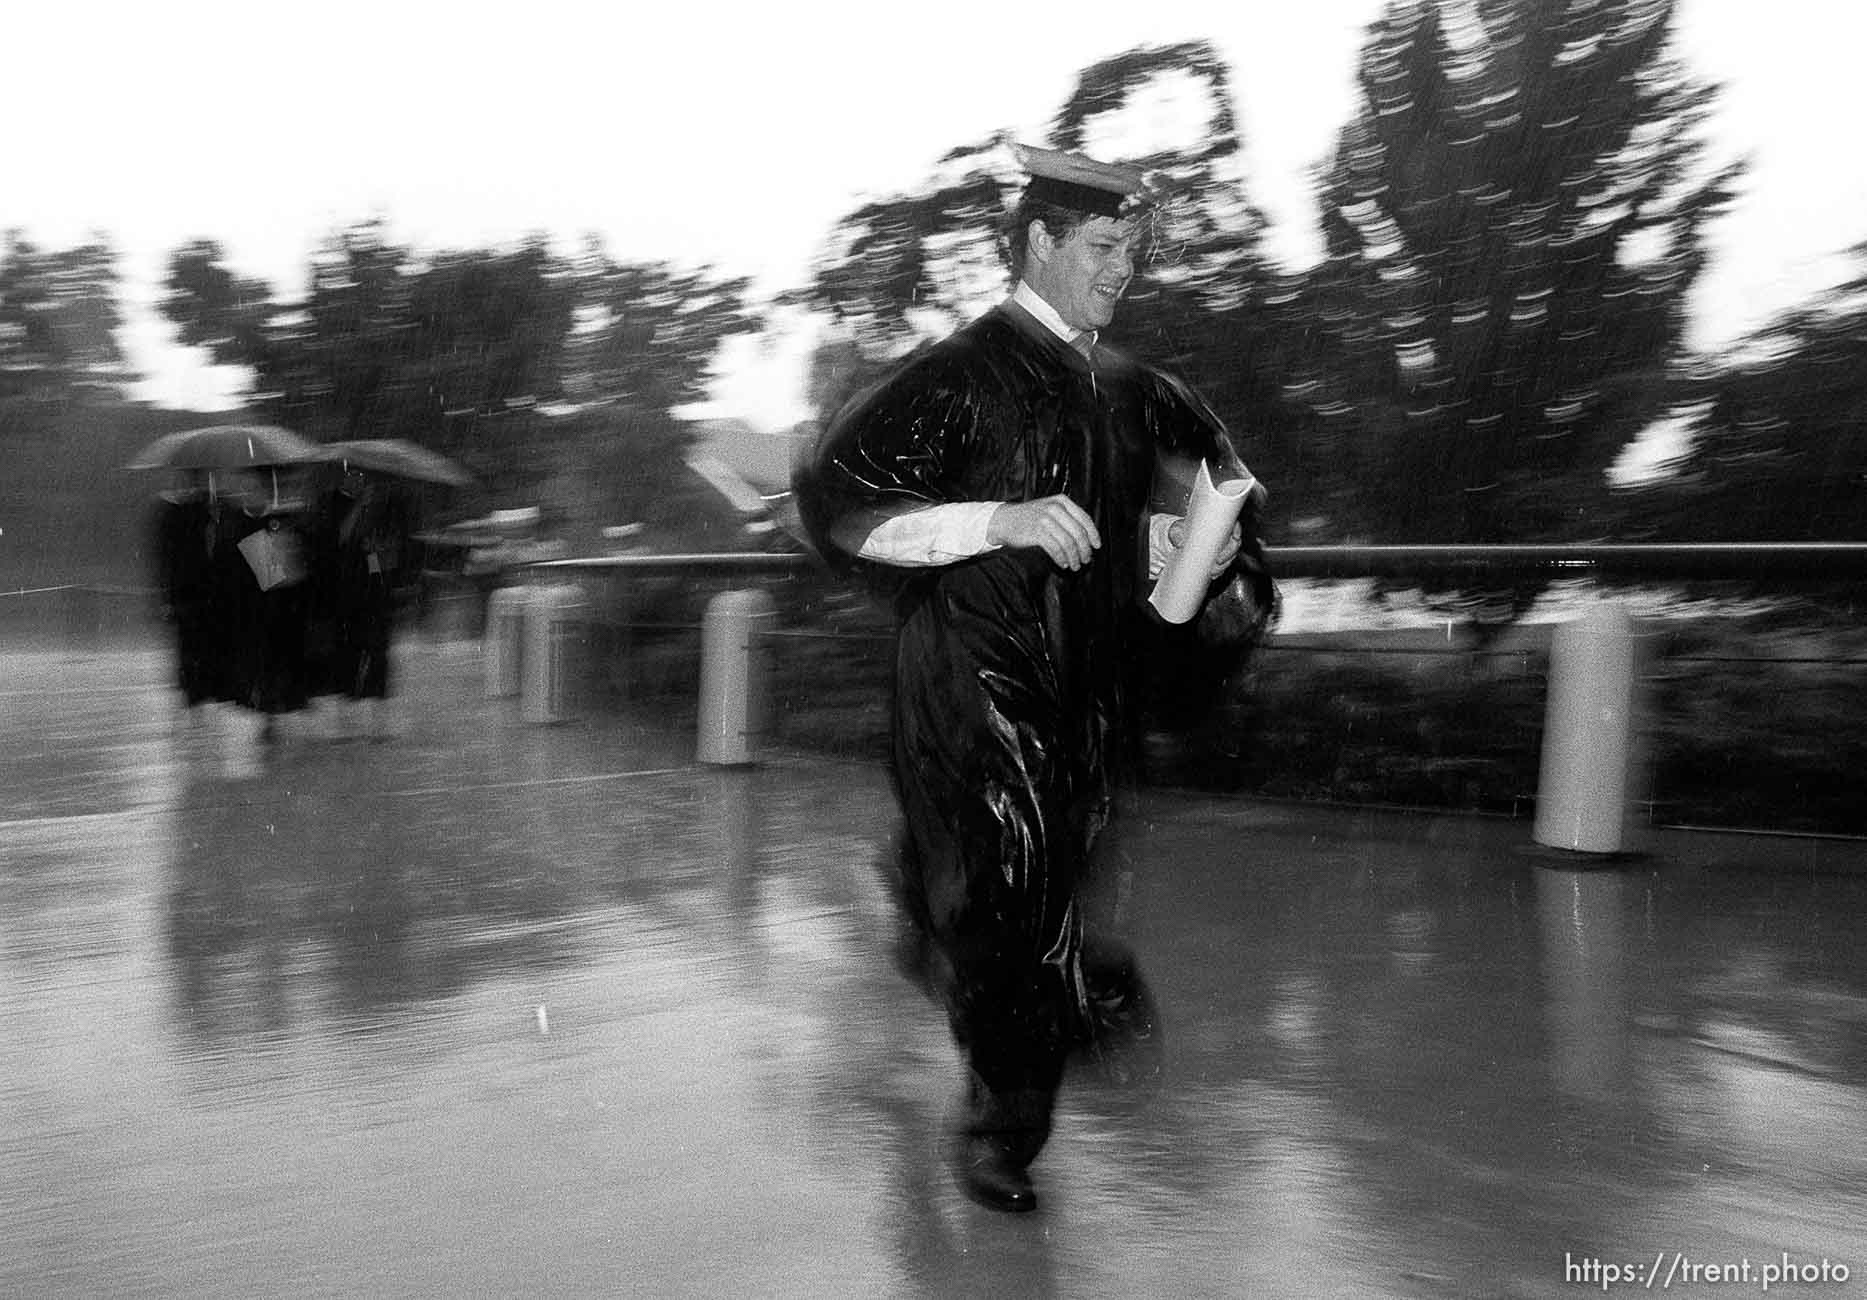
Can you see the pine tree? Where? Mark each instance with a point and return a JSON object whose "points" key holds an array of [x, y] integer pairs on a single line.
{"points": [[1775, 449], [1518, 212], [59, 317]]}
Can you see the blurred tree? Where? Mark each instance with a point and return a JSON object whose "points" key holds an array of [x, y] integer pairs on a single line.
{"points": [[486, 337], [215, 309], [897, 271], [648, 332], [1774, 448], [643, 347], [351, 352], [457, 352], [1514, 219], [528, 367], [58, 317]]}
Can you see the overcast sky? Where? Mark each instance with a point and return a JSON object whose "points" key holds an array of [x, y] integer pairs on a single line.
{"points": [[736, 135]]}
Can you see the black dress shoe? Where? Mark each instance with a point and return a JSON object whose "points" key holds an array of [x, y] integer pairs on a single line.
{"points": [[989, 1175]]}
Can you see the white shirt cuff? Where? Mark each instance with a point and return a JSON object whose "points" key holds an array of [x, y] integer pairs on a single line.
{"points": [[942, 534]]}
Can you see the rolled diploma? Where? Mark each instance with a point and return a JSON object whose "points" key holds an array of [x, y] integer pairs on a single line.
{"points": [[1211, 510]]}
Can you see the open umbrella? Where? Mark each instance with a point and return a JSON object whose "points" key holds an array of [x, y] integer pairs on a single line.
{"points": [[397, 457], [226, 446], [219, 448]]}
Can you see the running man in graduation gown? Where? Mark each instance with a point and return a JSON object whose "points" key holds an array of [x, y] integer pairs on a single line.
{"points": [[996, 489]]}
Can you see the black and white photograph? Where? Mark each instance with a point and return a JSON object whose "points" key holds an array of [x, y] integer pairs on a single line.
{"points": [[1098, 652]]}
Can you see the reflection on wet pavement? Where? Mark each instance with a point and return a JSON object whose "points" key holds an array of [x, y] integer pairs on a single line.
{"points": [[492, 1009]]}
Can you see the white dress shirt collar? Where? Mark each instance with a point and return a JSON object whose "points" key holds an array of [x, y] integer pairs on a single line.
{"points": [[1029, 299]]}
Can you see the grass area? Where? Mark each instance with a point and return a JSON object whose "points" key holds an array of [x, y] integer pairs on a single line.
{"points": [[1760, 727], [1363, 724]]}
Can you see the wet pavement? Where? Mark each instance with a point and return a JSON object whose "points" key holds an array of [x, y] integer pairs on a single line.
{"points": [[495, 1009]]}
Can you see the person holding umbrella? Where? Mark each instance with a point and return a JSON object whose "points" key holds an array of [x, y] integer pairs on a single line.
{"points": [[240, 611], [363, 557], [263, 570], [183, 552], [361, 536]]}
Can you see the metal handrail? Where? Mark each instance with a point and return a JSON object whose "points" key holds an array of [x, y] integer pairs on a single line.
{"points": [[719, 561], [1703, 560]]}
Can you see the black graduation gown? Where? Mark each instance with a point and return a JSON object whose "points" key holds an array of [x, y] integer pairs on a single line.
{"points": [[356, 564], [1011, 711], [184, 537], [267, 669]]}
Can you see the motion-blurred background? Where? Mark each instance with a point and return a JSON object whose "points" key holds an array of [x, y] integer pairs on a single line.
{"points": [[1456, 271]]}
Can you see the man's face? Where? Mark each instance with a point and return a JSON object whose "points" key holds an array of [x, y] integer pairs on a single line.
{"points": [[1084, 274]]}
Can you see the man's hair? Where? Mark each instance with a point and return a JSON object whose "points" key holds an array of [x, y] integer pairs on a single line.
{"points": [[1060, 221]]}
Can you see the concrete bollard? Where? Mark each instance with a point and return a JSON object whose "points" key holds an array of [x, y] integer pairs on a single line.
{"points": [[503, 639], [734, 664], [1584, 791], [554, 628]]}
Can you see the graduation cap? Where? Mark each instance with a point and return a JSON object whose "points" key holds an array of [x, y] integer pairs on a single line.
{"points": [[1080, 183]]}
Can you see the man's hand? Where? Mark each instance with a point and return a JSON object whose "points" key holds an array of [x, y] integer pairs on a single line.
{"points": [[1176, 536], [1057, 524]]}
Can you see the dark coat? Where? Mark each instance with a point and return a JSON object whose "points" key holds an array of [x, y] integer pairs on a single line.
{"points": [[184, 560], [1013, 712], [267, 669], [358, 548]]}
